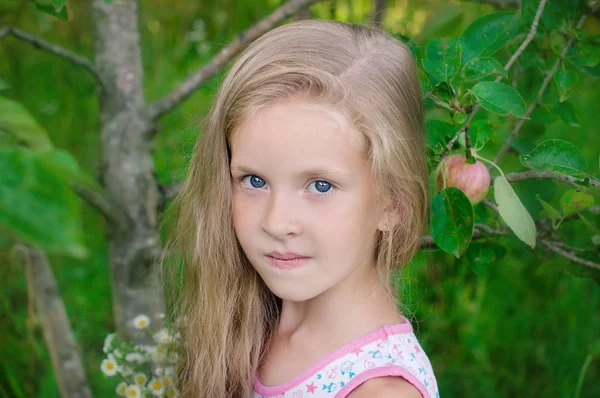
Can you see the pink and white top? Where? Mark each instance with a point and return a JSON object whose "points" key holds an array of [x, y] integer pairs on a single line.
{"points": [[392, 350]]}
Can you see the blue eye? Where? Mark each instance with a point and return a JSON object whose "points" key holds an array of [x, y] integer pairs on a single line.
{"points": [[255, 181], [322, 186]]}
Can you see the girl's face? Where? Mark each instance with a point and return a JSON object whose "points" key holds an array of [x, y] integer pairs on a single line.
{"points": [[302, 186]]}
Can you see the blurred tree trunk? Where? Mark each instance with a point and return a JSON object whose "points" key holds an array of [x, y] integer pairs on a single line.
{"points": [[127, 165], [66, 362]]}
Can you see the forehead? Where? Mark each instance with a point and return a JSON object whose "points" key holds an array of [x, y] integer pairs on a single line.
{"points": [[296, 121]]}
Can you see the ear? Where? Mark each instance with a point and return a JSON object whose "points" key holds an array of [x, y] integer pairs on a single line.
{"points": [[392, 213], [390, 217]]}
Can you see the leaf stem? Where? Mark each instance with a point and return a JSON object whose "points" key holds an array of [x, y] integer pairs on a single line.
{"points": [[490, 162]]}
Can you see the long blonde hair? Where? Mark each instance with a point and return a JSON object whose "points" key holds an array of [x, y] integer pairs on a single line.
{"points": [[371, 78]]}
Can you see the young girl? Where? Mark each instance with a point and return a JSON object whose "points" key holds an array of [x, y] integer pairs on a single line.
{"points": [[306, 189]]}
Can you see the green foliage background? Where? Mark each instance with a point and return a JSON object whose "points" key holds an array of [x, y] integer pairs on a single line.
{"points": [[522, 327]]}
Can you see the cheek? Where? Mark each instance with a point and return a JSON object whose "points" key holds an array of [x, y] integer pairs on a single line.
{"points": [[240, 211]]}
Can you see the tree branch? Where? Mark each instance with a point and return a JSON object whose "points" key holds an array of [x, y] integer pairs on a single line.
{"points": [[185, 89], [567, 254], [526, 175], [530, 35], [52, 48], [540, 93], [511, 61], [100, 203], [57, 331]]}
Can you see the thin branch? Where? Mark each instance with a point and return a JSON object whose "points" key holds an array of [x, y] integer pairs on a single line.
{"points": [[490, 204], [540, 93], [563, 245], [489, 230], [427, 242], [530, 174], [52, 48], [98, 202], [511, 61], [187, 88], [567, 254], [557, 248], [66, 361], [529, 37], [459, 132]]}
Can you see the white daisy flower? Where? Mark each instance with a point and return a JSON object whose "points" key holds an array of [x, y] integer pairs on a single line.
{"points": [[109, 366], [140, 379], [156, 386], [172, 392], [163, 337], [134, 357], [121, 387], [108, 342], [168, 381], [133, 391], [141, 322], [159, 371], [117, 353]]}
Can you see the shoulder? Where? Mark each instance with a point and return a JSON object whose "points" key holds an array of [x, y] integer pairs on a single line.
{"points": [[386, 387]]}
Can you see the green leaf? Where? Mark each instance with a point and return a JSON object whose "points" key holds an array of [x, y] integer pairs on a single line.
{"points": [[438, 134], [558, 156], [452, 221], [480, 132], [38, 205], [16, 120], [567, 113], [557, 41], [442, 58], [500, 98], [4, 85], [565, 83], [587, 54], [549, 209], [50, 9], [514, 214], [488, 34], [479, 68], [572, 202]]}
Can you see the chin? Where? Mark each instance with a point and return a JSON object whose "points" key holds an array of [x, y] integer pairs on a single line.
{"points": [[296, 293]]}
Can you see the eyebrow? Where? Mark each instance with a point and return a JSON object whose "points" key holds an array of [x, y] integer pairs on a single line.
{"points": [[314, 172]]}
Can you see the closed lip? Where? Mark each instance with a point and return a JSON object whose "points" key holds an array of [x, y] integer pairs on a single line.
{"points": [[286, 256]]}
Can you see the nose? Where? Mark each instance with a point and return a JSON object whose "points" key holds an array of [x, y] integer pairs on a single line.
{"points": [[280, 218]]}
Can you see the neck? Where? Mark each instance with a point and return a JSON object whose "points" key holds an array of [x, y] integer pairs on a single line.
{"points": [[342, 313]]}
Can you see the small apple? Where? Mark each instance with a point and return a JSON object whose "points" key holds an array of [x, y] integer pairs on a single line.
{"points": [[472, 179]]}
